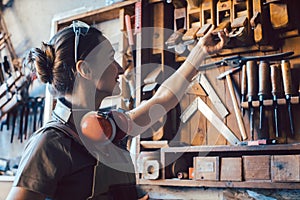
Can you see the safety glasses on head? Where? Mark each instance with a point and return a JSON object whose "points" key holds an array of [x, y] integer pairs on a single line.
{"points": [[79, 28]]}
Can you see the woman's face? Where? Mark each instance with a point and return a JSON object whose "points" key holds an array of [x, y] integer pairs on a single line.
{"points": [[106, 70]]}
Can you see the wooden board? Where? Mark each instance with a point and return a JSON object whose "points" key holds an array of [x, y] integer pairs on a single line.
{"points": [[256, 167]]}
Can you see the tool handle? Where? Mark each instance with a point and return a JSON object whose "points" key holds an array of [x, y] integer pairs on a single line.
{"points": [[244, 81], [275, 79], [251, 79], [236, 108], [286, 77], [264, 78]]}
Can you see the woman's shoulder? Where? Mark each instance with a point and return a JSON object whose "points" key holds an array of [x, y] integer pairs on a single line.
{"points": [[50, 136]]}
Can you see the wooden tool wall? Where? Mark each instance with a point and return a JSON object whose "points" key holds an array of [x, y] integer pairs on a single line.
{"points": [[257, 28]]}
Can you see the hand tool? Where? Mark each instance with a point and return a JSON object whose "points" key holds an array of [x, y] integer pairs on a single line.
{"points": [[199, 104], [275, 82], [237, 112], [251, 91], [287, 86], [212, 95], [235, 61], [264, 88], [216, 122], [189, 111], [243, 87]]}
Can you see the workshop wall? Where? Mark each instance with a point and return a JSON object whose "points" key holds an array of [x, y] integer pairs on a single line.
{"points": [[29, 21]]}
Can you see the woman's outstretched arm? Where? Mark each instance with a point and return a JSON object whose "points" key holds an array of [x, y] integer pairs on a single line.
{"points": [[172, 90]]}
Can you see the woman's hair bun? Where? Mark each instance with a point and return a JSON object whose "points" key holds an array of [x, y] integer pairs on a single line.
{"points": [[42, 60]]}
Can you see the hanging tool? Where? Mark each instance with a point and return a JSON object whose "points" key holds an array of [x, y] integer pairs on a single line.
{"points": [[189, 111], [212, 95], [216, 122], [237, 112], [287, 85], [243, 87], [251, 91], [199, 104], [264, 88], [276, 90], [235, 61]]}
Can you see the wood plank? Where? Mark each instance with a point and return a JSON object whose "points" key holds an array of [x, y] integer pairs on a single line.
{"points": [[185, 128], [260, 149], [93, 14], [222, 184]]}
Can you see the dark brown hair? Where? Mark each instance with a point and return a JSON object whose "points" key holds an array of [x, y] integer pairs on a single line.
{"points": [[54, 62]]}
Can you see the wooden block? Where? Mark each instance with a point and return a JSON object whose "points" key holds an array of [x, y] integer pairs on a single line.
{"points": [[285, 168], [206, 168], [256, 167], [231, 169]]}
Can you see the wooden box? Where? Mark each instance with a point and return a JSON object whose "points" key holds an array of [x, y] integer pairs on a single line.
{"points": [[285, 168], [231, 169], [256, 167], [206, 168]]}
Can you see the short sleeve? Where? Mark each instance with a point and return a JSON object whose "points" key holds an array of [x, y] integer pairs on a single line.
{"points": [[45, 160]]}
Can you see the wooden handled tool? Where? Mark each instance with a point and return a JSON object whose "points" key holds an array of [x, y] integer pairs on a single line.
{"points": [[237, 112], [243, 87], [287, 86], [251, 91], [264, 88], [276, 90]]}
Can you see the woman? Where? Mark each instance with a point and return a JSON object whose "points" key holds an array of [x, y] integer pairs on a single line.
{"points": [[79, 64]]}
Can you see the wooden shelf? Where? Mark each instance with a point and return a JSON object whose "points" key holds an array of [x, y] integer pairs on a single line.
{"points": [[228, 149], [90, 16], [222, 184]]}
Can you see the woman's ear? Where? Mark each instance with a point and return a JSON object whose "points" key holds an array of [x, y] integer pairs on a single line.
{"points": [[84, 69]]}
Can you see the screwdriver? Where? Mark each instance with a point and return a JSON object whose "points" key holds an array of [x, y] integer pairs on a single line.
{"points": [[287, 86], [251, 71], [276, 90], [264, 88]]}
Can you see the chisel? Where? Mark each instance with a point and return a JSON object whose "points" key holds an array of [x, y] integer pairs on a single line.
{"points": [[251, 91], [264, 88], [287, 86], [276, 90]]}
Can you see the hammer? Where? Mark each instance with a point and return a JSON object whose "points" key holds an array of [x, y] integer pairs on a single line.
{"points": [[238, 115]]}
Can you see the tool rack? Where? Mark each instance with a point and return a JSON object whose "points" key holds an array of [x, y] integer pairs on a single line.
{"points": [[198, 137]]}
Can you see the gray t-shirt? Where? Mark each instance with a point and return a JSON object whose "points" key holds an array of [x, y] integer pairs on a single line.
{"points": [[55, 165]]}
